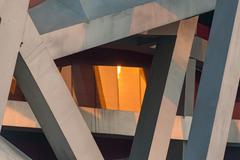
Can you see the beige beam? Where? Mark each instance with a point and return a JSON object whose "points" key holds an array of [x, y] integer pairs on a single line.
{"points": [[165, 103], [51, 102], [123, 24], [12, 21], [13, 16]]}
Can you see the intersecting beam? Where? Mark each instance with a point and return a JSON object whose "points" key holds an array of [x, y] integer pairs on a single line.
{"points": [[218, 86], [10, 152], [123, 24], [51, 102], [118, 17], [162, 95], [13, 16], [113, 122]]}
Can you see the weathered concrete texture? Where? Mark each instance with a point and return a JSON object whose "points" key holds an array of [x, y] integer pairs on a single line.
{"points": [[162, 95], [51, 102], [218, 86], [173, 88], [52, 15], [107, 121], [120, 25], [98, 8], [13, 17], [56, 14], [9, 152], [12, 22]]}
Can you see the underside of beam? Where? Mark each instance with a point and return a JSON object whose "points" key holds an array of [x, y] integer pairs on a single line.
{"points": [[218, 86], [123, 24], [56, 14]]}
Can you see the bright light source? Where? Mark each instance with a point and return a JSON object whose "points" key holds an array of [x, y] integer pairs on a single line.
{"points": [[119, 71]]}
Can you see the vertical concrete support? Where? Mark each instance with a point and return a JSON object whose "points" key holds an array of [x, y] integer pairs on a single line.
{"points": [[190, 88], [189, 92], [13, 16], [162, 95], [51, 102], [218, 86]]}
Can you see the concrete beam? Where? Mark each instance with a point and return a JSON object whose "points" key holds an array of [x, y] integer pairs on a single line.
{"points": [[9, 152], [119, 15], [199, 49], [51, 102], [116, 26], [13, 16], [218, 86], [101, 121], [11, 33], [162, 96], [190, 88]]}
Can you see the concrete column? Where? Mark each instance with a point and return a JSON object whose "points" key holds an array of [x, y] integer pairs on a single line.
{"points": [[218, 86], [190, 88], [51, 102], [189, 92], [162, 95]]}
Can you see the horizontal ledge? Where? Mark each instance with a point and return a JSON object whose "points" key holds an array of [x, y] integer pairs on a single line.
{"points": [[19, 114]]}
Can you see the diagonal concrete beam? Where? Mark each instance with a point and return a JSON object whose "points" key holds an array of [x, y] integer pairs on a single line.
{"points": [[10, 152], [13, 16], [162, 96], [122, 24], [51, 102], [218, 86]]}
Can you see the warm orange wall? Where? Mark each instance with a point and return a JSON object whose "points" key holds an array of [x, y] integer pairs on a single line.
{"points": [[122, 88], [119, 88], [107, 86]]}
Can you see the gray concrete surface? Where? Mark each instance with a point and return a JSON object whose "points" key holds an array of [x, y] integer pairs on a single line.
{"points": [[50, 101], [162, 96], [218, 86]]}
